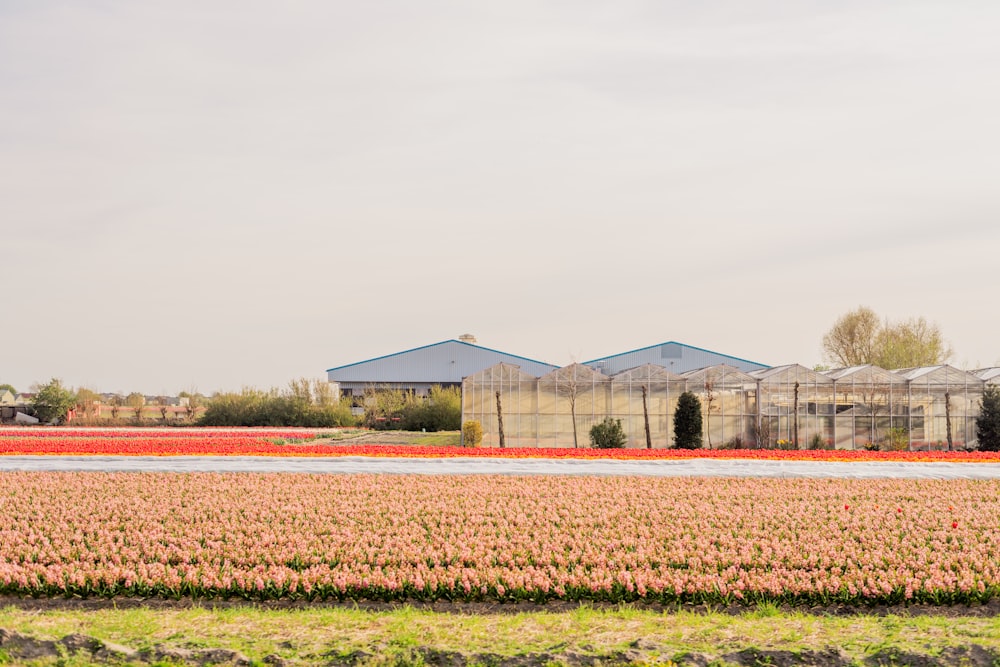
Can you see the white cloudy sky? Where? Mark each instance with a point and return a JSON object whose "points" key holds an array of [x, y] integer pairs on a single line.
{"points": [[213, 195]]}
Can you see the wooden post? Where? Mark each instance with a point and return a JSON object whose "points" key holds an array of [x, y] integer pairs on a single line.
{"points": [[500, 419], [645, 418]]}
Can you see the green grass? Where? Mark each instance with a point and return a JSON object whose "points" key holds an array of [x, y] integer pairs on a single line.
{"points": [[398, 635]]}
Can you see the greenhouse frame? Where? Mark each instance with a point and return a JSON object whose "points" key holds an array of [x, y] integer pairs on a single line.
{"points": [[863, 407]]}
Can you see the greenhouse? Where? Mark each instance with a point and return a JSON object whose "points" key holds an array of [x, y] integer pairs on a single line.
{"points": [[785, 406]]}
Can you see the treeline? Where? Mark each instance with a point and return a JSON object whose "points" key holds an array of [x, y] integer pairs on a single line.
{"points": [[440, 410], [311, 404], [306, 403]]}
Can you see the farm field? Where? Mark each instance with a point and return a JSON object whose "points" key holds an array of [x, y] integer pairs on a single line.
{"points": [[683, 570], [264, 536], [358, 442]]}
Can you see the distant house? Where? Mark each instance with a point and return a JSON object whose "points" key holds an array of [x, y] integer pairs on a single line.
{"points": [[24, 399], [7, 397]]}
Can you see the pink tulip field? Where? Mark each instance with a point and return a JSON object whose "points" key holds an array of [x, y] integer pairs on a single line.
{"points": [[506, 538]]}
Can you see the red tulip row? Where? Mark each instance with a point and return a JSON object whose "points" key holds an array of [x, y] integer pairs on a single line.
{"points": [[175, 433], [503, 538], [252, 442]]}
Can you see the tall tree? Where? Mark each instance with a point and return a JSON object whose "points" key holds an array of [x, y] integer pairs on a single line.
{"points": [[53, 401], [988, 421], [859, 337], [851, 340], [194, 401], [910, 344], [136, 401], [571, 381], [116, 402], [9, 388], [87, 401], [687, 422]]}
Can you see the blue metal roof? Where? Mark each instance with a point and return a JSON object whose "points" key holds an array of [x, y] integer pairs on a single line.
{"points": [[447, 361], [696, 358]]}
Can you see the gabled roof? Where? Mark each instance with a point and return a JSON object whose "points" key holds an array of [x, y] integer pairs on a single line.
{"points": [[864, 374], [646, 373], [792, 373], [500, 373], [722, 374], [990, 375], [942, 374], [677, 357], [574, 373], [447, 361]]}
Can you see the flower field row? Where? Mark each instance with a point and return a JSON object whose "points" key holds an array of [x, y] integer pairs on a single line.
{"points": [[197, 442], [267, 536], [174, 433]]}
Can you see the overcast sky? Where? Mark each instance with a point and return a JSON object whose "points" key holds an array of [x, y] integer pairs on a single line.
{"points": [[214, 195]]}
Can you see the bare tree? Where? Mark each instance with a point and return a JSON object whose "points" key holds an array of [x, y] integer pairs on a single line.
{"points": [[859, 338], [136, 401], [163, 403], [568, 386], [709, 399], [851, 340], [116, 401]]}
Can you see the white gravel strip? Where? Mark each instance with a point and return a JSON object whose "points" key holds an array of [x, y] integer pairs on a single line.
{"points": [[505, 466]]}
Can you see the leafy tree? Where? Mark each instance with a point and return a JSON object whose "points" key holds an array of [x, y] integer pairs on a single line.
{"points": [[194, 402], [53, 401], [608, 434], [859, 337], [116, 402], [911, 344], [687, 422], [86, 401], [136, 401], [988, 421], [9, 388]]}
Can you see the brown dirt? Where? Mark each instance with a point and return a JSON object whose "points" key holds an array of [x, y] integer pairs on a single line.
{"points": [[987, 610]]}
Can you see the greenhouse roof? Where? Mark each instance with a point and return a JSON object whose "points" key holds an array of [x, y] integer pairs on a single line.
{"points": [[942, 374], [791, 373], [719, 372], [646, 373], [865, 373], [990, 375], [502, 372]]}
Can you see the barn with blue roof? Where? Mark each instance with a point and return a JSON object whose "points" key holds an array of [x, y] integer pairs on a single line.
{"points": [[444, 364]]}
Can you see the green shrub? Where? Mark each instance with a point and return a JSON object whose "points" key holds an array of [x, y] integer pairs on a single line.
{"points": [[608, 434], [687, 422], [253, 407], [396, 409], [897, 439], [988, 421], [472, 433]]}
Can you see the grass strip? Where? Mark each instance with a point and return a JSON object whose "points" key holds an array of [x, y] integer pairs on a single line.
{"points": [[319, 635]]}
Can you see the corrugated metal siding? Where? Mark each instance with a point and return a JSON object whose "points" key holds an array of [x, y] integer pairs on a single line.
{"points": [[449, 361], [675, 357]]}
